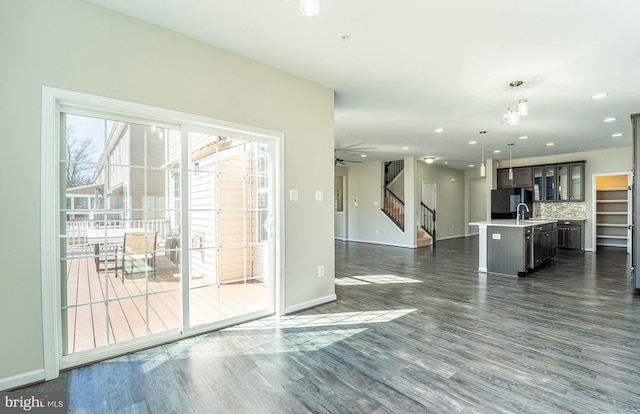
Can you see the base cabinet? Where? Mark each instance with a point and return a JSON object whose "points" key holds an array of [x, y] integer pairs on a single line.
{"points": [[517, 250], [545, 240], [571, 234]]}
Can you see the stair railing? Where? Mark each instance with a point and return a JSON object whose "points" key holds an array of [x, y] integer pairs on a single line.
{"points": [[428, 222], [393, 208], [391, 170]]}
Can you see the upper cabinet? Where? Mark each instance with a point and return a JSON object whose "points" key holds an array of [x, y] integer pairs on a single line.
{"points": [[551, 182], [544, 182], [522, 178]]}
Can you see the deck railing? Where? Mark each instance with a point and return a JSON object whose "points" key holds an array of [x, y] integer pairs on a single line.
{"points": [[78, 230]]}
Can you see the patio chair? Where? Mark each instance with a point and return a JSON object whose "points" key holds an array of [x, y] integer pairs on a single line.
{"points": [[138, 253]]}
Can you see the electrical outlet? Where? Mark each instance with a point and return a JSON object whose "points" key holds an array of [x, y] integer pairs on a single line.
{"points": [[320, 271]]}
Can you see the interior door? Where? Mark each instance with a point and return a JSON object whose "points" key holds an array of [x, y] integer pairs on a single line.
{"points": [[429, 195]]}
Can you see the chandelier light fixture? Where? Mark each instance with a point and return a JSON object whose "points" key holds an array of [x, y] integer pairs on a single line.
{"points": [[310, 7], [517, 109]]}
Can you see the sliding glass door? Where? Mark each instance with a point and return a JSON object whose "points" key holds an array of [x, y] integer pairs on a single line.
{"points": [[163, 230]]}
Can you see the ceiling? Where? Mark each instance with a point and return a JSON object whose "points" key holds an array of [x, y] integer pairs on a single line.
{"points": [[402, 69]]}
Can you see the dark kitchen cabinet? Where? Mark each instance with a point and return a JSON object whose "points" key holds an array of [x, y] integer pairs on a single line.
{"points": [[571, 234], [544, 183], [570, 182], [551, 182], [545, 241], [522, 178]]}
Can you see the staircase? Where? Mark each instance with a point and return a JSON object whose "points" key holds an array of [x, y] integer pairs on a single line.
{"points": [[423, 238], [393, 206], [428, 225]]}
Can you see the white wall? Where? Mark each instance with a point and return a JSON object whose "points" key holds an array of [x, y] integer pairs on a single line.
{"points": [[366, 222], [76, 45]]}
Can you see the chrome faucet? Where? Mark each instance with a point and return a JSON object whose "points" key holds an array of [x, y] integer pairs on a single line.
{"points": [[518, 212]]}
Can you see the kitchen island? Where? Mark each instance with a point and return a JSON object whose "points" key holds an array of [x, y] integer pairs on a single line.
{"points": [[513, 247]]}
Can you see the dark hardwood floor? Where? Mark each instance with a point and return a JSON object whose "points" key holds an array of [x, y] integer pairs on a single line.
{"points": [[412, 331]]}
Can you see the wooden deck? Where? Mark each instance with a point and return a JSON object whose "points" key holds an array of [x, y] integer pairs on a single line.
{"points": [[90, 293]]}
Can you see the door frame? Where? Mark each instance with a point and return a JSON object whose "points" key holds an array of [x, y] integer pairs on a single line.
{"points": [[594, 206], [52, 100], [425, 185]]}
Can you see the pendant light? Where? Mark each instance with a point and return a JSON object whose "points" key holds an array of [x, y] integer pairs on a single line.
{"points": [[310, 7], [483, 170], [519, 109], [510, 169]]}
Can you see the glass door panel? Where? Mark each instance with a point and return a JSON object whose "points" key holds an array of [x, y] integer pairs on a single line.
{"points": [[538, 184], [116, 214], [563, 182], [576, 182], [231, 248], [550, 182]]}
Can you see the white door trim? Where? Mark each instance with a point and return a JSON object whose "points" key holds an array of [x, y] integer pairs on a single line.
{"points": [[52, 100], [594, 207]]}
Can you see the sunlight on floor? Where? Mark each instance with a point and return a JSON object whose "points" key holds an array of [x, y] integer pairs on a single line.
{"points": [[294, 333], [324, 319], [374, 279]]}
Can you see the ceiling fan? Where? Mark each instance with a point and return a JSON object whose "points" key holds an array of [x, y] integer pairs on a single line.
{"points": [[341, 154], [343, 161]]}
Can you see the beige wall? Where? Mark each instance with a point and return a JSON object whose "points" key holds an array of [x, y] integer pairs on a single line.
{"points": [[75, 45], [450, 198]]}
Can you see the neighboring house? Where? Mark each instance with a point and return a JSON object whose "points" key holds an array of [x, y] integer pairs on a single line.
{"points": [[82, 200], [228, 208], [135, 183]]}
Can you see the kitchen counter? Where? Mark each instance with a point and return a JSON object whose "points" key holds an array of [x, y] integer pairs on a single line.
{"points": [[514, 248], [513, 223]]}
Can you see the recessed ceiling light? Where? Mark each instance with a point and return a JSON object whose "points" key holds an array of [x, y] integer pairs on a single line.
{"points": [[610, 119], [471, 165], [446, 162], [550, 144], [524, 137], [496, 151], [616, 135], [405, 148], [472, 142], [600, 95], [363, 155], [440, 130]]}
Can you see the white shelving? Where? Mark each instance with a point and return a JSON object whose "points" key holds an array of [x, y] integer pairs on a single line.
{"points": [[612, 217]]}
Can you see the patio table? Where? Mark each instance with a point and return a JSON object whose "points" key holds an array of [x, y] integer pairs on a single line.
{"points": [[106, 240]]}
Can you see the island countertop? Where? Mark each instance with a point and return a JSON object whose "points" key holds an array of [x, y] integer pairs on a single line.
{"points": [[513, 223]]}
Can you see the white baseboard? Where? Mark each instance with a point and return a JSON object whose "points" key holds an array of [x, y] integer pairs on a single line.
{"points": [[310, 304], [21, 379], [381, 243]]}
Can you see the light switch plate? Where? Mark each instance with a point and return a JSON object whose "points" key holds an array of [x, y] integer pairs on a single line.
{"points": [[319, 195], [293, 195]]}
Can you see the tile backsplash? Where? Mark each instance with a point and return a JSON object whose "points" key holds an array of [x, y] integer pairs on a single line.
{"points": [[568, 210]]}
